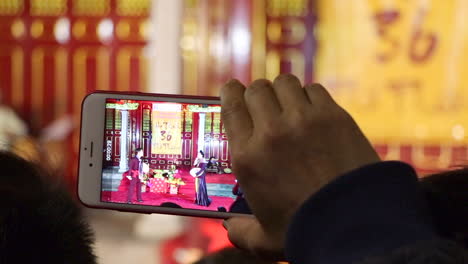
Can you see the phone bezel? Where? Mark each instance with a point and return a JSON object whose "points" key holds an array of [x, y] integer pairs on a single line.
{"points": [[92, 130]]}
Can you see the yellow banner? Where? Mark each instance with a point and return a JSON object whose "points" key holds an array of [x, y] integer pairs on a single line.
{"points": [[399, 67], [167, 132]]}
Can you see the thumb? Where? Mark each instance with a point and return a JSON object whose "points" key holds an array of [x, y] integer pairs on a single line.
{"points": [[247, 233]]}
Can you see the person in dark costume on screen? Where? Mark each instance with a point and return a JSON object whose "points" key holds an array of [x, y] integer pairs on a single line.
{"points": [[202, 192], [214, 163]]}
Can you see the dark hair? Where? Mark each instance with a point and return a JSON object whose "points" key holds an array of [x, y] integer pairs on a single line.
{"points": [[138, 150], [39, 220], [232, 256], [201, 152], [210, 163], [170, 205]]}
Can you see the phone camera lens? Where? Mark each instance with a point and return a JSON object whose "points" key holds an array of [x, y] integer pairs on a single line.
{"points": [[90, 164]]}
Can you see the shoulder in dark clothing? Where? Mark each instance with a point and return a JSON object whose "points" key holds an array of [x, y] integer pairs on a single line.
{"points": [[447, 195], [367, 212], [433, 252]]}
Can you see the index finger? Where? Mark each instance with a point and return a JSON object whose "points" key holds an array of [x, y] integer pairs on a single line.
{"points": [[234, 113], [248, 234]]}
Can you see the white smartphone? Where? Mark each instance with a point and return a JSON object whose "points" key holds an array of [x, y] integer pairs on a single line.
{"points": [[154, 153]]}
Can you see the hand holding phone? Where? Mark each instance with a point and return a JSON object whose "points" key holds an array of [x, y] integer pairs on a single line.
{"points": [[300, 140]]}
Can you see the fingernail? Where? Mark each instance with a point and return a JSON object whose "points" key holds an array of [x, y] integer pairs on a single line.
{"points": [[227, 84], [232, 81]]}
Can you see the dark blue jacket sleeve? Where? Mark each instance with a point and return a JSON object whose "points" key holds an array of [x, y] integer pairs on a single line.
{"points": [[367, 212]]}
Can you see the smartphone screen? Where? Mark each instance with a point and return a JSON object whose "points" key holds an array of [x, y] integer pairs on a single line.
{"points": [[168, 154]]}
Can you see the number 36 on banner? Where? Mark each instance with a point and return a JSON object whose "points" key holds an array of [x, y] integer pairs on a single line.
{"points": [[399, 67]]}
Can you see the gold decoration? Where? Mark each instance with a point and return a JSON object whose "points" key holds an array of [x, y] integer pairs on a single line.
{"points": [[258, 39], [11, 7], [204, 109], [91, 7], [191, 3], [37, 28], [123, 106], [48, 8], [103, 67], [296, 28], [124, 57], [123, 29], [79, 79], [17, 28], [79, 29], [143, 29], [188, 44], [61, 82], [273, 60], [99, 56], [133, 7], [37, 81], [17, 76], [443, 160], [274, 31], [293, 56], [280, 8]]}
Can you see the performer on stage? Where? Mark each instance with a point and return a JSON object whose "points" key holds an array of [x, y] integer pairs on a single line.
{"points": [[213, 162], [201, 191], [135, 172], [200, 159], [240, 204]]}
